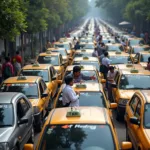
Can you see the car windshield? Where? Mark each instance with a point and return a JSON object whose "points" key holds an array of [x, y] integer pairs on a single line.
{"points": [[139, 49], [6, 115], [146, 116], [83, 54], [41, 73], [66, 46], [48, 60], [93, 63], [62, 52], [85, 73], [144, 57], [135, 81], [136, 42], [77, 137], [29, 89], [120, 59], [89, 46], [92, 99], [115, 48]]}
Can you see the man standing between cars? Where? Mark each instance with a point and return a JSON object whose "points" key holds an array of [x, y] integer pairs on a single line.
{"points": [[70, 97], [105, 65], [78, 76]]}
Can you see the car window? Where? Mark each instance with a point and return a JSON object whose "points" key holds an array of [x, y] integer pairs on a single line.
{"points": [[133, 103], [44, 85], [20, 112], [77, 137], [25, 105], [41, 88], [138, 109]]}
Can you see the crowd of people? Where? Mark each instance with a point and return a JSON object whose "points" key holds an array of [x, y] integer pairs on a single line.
{"points": [[10, 67]]}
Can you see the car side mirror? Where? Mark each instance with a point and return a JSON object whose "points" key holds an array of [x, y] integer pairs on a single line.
{"points": [[113, 105], [126, 145], [44, 95], [135, 120], [28, 147], [54, 78], [22, 121]]}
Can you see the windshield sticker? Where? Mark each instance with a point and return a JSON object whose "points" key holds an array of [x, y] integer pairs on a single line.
{"points": [[129, 86], [86, 126], [49, 131], [9, 84], [65, 127], [5, 106]]}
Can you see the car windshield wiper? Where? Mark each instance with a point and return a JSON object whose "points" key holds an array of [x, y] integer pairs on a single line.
{"points": [[7, 125]]}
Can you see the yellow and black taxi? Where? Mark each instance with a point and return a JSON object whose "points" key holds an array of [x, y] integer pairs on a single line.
{"points": [[91, 94], [129, 66], [114, 47], [46, 71], [120, 58], [83, 53], [137, 118], [126, 83], [138, 48], [67, 45], [63, 52], [142, 58], [133, 41], [35, 90], [86, 71], [74, 128], [86, 61], [87, 45], [54, 59]]}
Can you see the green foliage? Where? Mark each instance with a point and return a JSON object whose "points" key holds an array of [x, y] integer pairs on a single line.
{"points": [[12, 19]]}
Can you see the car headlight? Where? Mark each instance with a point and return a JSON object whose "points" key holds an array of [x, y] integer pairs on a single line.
{"points": [[4, 146], [36, 109], [123, 101]]}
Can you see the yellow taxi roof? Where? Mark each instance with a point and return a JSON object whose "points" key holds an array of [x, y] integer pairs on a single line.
{"points": [[135, 38], [46, 54], [124, 66], [85, 67], [41, 67], [114, 54], [84, 50], [140, 72], [29, 79], [61, 43], [89, 59], [90, 87], [90, 115], [145, 52], [53, 48]]}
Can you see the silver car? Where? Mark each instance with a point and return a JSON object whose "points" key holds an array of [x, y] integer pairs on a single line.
{"points": [[16, 121]]}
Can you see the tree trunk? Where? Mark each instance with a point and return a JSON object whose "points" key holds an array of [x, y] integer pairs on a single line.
{"points": [[22, 48]]}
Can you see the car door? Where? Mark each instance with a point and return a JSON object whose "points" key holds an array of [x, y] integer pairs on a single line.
{"points": [[24, 111], [43, 100], [137, 128], [130, 112], [53, 78]]}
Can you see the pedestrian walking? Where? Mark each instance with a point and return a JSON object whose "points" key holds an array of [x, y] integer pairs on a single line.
{"points": [[7, 69]]}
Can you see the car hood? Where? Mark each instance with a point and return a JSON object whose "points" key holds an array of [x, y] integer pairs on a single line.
{"points": [[147, 131], [126, 94], [5, 133], [34, 102]]}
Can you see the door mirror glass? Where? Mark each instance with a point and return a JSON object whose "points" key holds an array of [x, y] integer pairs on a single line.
{"points": [[22, 121], [135, 120]]}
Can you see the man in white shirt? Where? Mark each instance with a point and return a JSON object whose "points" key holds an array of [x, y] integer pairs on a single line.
{"points": [[105, 65], [70, 98]]}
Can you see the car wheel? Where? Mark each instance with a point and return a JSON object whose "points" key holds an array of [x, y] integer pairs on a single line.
{"points": [[31, 139], [40, 125]]}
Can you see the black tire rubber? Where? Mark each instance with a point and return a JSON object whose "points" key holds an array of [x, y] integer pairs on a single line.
{"points": [[40, 125]]}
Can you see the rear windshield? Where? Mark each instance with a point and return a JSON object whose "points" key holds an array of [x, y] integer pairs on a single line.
{"points": [[77, 137]]}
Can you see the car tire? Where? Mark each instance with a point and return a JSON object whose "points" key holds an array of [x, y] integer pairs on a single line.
{"points": [[39, 126], [31, 139]]}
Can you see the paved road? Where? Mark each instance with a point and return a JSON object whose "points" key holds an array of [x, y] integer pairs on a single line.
{"points": [[120, 126]]}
